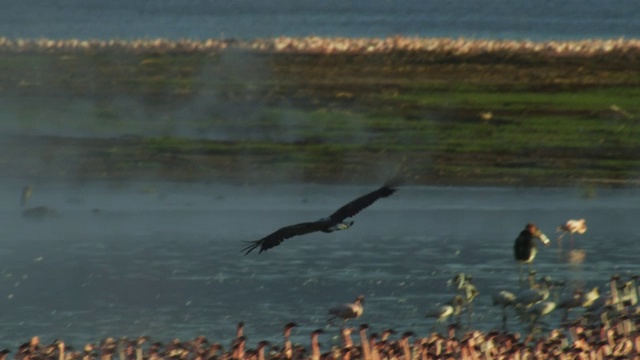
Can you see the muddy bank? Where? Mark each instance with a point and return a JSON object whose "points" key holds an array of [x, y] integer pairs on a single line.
{"points": [[433, 111]]}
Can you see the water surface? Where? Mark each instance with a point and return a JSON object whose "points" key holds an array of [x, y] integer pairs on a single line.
{"points": [[250, 19], [164, 260]]}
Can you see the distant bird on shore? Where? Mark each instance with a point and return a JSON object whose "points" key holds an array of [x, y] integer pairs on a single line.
{"points": [[572, 226], [525, 247], [347, 311], [334, 222]]}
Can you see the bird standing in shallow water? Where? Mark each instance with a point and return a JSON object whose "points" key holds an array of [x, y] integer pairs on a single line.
{"points": [[525, 249], [467, 290], [504, 299], [347, 311], [443, 312], [334, 222], [571, 226]]}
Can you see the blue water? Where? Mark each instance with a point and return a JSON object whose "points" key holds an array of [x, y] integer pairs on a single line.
{"points": [[164, 260], [250, 19]]}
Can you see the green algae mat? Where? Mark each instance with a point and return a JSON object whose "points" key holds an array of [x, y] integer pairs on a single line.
{"points": [[259, 117]]}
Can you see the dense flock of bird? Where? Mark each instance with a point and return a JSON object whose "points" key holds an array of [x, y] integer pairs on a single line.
{"points": [[607, 327], [333, 45]]}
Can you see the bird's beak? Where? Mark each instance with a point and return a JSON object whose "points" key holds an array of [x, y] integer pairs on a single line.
{"points": [[545, 240]]}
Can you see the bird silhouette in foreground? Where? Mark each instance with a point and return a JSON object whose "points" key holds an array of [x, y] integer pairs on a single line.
{"points": [[334, 222], [571, 226], [525, 249]]}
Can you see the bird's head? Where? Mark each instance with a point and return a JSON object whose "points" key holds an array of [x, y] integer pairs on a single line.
{"points": [[536, 232], [345, 225], [408, 334], [459, 280], [360, 299]]}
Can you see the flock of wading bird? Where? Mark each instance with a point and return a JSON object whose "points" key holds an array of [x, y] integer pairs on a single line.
{"points": [[533, 299], [607, 328]]}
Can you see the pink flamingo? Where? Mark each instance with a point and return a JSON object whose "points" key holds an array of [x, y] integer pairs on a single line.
{"points": [[572, 226]]}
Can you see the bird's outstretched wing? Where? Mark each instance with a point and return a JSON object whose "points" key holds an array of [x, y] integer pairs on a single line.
{"points": [[278, 236], [360, 203]]}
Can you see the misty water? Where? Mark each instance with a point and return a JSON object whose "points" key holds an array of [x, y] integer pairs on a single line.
{"points": [[163, 259]]}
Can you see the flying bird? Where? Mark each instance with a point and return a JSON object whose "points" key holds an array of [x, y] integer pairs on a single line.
{"points": [[334, 222]]}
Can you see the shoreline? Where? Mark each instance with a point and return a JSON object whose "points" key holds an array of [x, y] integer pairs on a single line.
{"points": [[339, 45]]}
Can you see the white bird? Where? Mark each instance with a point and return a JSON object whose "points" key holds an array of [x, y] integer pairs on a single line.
{"points": [[628, 293], [571, 226], [465, 286], [467, 290], [540, 309], [443, 312], [590, 297], [348, 311]]}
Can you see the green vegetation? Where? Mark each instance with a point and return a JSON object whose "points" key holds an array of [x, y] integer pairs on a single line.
{"points": [[274, 117]]}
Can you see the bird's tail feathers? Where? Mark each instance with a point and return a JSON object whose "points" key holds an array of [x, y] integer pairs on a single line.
{"points": [[251, 245]]}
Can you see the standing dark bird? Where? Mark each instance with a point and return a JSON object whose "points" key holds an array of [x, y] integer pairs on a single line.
{"points": [[525, 249], [334, 222]]}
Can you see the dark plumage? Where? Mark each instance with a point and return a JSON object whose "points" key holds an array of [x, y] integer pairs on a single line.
{"points": [[334, 222], [524, 248]]}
